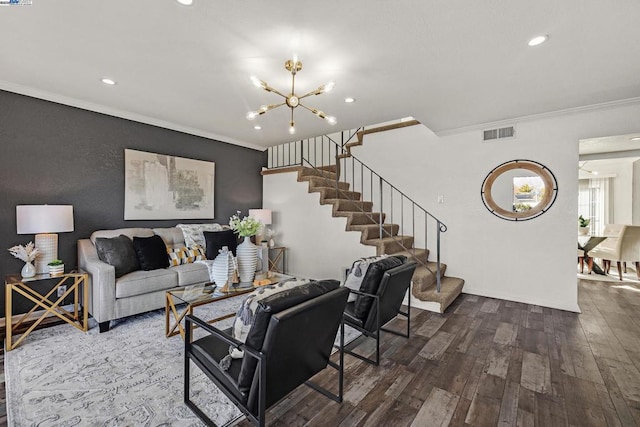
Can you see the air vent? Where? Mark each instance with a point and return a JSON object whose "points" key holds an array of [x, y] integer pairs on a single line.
{"points": [[492, 134]]}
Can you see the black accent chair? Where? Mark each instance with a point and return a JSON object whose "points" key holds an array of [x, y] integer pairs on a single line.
{"points": [[290, 341], [378, 302]]}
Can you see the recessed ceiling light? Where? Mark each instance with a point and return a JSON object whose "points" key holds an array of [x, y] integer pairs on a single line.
{"points": [[257, 127], [108, 81], [538, 40], [349, 100], [636, 138], [185, 2]]}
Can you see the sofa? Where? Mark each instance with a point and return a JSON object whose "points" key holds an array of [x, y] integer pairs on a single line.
{"points": [[112, 297]]}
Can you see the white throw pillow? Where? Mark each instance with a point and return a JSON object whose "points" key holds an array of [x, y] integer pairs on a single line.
{"points": [[357, 272], [193, 233], [246, 314]]}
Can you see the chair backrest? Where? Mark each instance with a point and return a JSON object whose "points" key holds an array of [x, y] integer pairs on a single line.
{"points": [[295, 329], [630, 244], [613, 234], [392, 290]]}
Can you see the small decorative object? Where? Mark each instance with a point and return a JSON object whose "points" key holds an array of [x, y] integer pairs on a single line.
{"points": [[27, 254], [583, 225], [56, 267], [269, 234], [223, 267], [247, 252]]}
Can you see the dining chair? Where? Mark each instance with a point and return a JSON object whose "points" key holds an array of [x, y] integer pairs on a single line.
{"points": [[622, 249]]}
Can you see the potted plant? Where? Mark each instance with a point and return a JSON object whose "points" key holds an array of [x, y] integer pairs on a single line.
{"points": [[56, 267], [583, 225]]}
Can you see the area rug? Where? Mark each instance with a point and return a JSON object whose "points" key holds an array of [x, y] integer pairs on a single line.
{"points": [[628, 277], [129, 376]]}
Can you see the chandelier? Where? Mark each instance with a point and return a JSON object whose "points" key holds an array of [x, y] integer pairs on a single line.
{"points": [[292, 100]]}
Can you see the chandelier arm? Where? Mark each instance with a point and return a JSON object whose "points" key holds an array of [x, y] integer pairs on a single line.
{"points": [[317, 91], [315, 111], [271, 107], [270, 89]]}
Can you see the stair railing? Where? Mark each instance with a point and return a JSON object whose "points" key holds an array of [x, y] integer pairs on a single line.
{"points": [[328, 158]]}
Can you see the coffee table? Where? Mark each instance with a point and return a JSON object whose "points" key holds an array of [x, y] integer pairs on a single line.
{"points": [[198, 295]]}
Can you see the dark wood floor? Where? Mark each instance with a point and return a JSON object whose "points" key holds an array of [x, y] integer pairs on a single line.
{"points": [[490, 362]]}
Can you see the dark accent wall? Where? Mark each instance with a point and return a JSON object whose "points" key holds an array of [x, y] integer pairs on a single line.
{"points": [[56, 154]]}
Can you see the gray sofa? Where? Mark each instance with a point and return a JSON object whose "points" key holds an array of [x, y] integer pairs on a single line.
{"points": [[138, 291]]}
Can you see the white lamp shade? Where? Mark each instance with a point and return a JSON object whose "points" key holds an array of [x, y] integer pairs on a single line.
{"points": [[262, 215], [35, 219]]}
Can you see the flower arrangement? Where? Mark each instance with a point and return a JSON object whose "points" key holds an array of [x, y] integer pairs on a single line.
{"points": [[583, 222], [246, 226], [26, 253]]}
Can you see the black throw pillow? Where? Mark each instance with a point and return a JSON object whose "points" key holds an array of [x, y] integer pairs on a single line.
{"points": [[118, 252], [371, 283], [152, 252], [215, 240]]}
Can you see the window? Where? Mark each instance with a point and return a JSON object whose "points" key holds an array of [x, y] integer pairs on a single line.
{"points": [[594, 202]]}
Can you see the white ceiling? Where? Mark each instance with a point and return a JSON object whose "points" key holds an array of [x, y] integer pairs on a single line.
{"points": [[610, 144], [450, 64]]}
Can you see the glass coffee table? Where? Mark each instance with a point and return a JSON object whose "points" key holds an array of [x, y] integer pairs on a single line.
{"points": [[198, 295]]}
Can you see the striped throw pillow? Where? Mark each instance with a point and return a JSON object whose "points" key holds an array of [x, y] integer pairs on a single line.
{"points": [[185, 255]]}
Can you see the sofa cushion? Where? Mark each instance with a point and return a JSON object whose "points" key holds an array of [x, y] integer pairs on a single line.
{"points": [[191, 274], [119, 252], [152, 252], [129, 232], [172, 236], [142, 282], [185, 255], [217, 239], [371, 282]]}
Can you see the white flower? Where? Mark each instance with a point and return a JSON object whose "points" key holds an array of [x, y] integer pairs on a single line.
{"points": [[26, 253]]}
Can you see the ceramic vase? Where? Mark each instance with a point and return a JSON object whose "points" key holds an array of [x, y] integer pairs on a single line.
{"points": [[56, 270], [247, 254], [28, 270], [223, 267]]}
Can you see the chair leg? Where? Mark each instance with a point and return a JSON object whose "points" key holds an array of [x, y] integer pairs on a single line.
{"points": [[637, 264], [581, 261], [624, 266], [590, 264], [619, 269]]}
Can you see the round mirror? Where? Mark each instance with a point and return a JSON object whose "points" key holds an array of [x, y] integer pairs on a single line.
{"points": [[519, 190]]}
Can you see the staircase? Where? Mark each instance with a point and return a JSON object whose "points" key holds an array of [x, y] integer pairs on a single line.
{"points": [[372, 217]]}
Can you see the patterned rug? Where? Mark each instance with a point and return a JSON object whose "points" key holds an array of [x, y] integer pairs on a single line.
{"points": [[131, 375]]}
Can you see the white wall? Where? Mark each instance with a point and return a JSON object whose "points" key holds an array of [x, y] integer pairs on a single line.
{"points": [[317, 244], [531, 261]]}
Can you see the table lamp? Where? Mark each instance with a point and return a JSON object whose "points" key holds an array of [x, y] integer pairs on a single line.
{"points": [[44, 221], [264, 216]]}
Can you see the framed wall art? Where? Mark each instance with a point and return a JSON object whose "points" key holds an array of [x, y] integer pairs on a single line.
{"points": [[158, 186]]}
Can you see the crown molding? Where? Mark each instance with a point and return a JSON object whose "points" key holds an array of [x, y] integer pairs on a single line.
{"points": [[115, 112], [539, 116]]}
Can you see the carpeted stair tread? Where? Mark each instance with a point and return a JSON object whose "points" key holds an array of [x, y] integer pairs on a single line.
{"points": [[390, 245], [332, 193], [425, 277], [343, 205], [318, 181], [372, 231], [421, 254], [305, 171], [355, 218], [450, 288]]}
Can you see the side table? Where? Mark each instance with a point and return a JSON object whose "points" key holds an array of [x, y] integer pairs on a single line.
{"points": [[75, 283], [277, 260]]}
